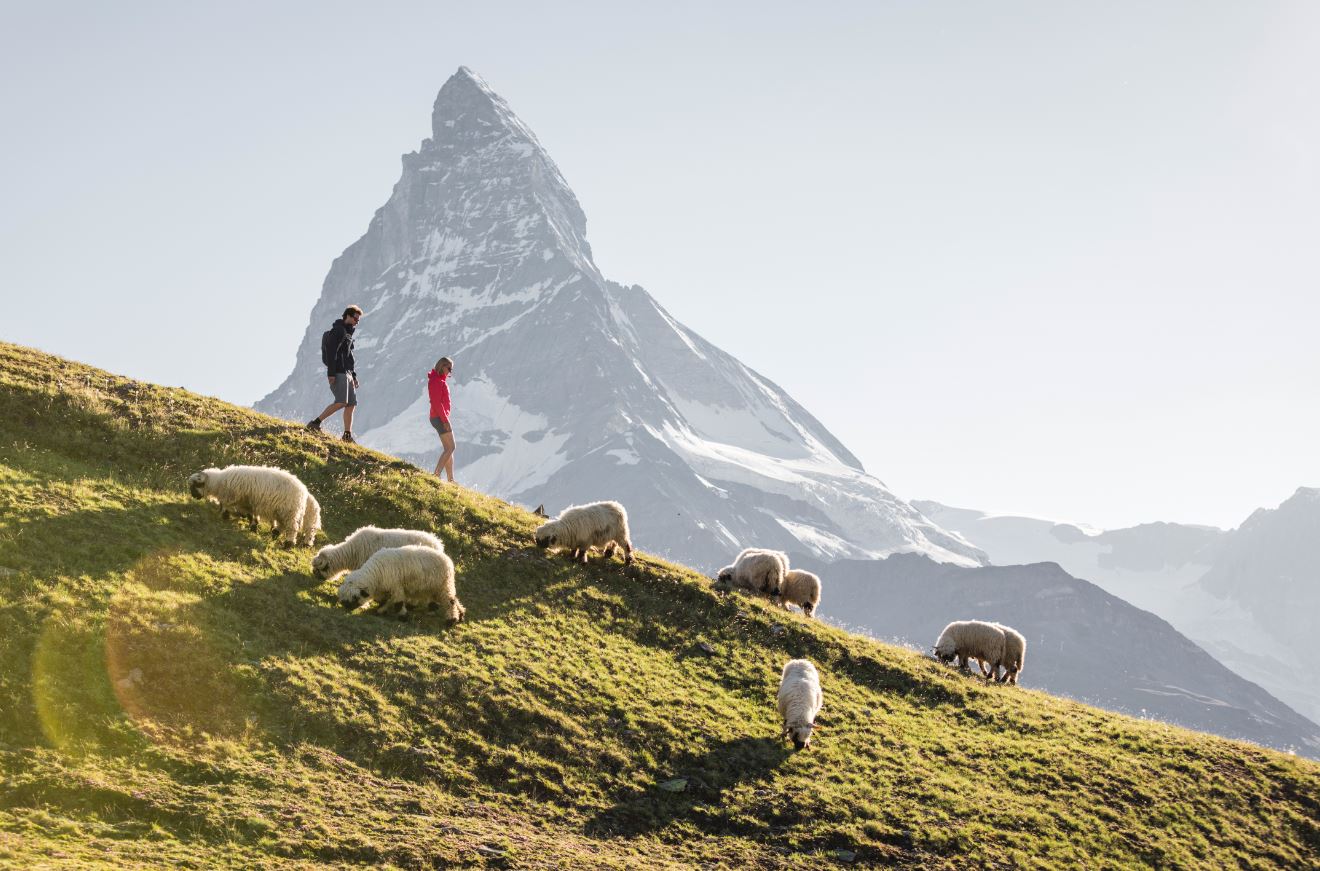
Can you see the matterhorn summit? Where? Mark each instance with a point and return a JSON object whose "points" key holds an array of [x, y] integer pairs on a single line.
{"points": [[569, 387]]}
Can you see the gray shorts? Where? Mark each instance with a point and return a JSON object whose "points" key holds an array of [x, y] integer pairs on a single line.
{"points": [[343, 389], [440, 425]]}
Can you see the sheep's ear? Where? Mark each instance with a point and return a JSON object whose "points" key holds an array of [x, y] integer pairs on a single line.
{"points": [[540, 511]]}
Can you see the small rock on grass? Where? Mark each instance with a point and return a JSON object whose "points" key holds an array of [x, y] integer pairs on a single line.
{"points": [[678, 784], [706, 648]]}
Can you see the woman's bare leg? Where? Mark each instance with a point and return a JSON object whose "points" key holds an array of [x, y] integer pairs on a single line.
{"points": [[446, 460]]}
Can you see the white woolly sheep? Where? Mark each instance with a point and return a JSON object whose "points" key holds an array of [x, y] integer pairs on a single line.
{"points": [[258, 492], [972, 639], [355, 550], [800, 700], [756, 569], [582, 527], [1015, 654], [405, 577], [802, 589]]}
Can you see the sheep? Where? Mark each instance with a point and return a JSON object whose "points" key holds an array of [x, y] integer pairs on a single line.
{"points": [[802, 589], [256, 492], [1015, 654], [800, 700], [972, 639], [311, 522], [757, 570], [582, 527], [355, 550], [409, 576]]}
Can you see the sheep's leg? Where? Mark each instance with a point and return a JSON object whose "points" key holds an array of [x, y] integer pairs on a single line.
{"points": [[585, 550], [627, 552], [962, 662], [456, 611], [809, 609], [609, 550], [980, 663], [573, 554], [289, 530]]}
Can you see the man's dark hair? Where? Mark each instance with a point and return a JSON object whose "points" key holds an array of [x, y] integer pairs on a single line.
{"points": [[352, 310]]}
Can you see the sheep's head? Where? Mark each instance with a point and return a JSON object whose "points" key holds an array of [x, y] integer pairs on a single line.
{"points": [[545, 536], [197, 484], [321, 565], [353, 593], [944, 651], [799, 734], [726, 575]]}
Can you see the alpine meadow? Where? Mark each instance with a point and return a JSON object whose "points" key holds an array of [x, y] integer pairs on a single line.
{"points": [[181, 692]]}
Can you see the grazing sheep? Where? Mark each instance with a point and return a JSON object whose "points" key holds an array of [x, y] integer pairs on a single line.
{"points": [[355, 550], [582, 527], [410, 576], [758, 570], [800, 700], [802, 589], [1015, 654], [972, 639], [256, 492]]}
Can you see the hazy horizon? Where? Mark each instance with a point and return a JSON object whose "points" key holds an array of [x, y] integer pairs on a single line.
{"points": [[1026, 259]]}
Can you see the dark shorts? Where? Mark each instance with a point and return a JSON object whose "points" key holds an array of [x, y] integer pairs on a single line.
{"points": [[343, 389], [440, 425]]}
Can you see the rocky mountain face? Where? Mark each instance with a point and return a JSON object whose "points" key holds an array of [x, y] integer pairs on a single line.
{"points": [[569, 387], [1081, 641], [1250, 596]]}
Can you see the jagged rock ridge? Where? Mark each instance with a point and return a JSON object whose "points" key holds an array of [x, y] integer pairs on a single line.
{"points": [[569, 387]]}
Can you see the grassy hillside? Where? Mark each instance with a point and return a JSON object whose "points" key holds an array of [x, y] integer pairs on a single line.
{"points": [[179, 692]]}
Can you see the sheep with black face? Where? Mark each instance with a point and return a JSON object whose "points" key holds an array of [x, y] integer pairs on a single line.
{"points": [[411, 576], [800, 700], [756, 570], [354, 551], [261, 492], [581, 527]]}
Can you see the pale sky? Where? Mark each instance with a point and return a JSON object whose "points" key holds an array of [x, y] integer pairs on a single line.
{"points": [[1056, 259]]}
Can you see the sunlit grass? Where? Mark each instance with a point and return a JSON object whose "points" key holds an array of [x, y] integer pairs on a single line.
{"points": [[180, 692]]}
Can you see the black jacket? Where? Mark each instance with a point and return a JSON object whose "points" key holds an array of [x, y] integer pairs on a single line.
{"points": [[337, 349]]}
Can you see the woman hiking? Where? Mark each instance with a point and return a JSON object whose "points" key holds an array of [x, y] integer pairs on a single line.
{"points": [[437, 385]]}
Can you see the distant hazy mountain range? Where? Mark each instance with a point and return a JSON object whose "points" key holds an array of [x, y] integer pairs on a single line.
{"points": [[569, 387], [1249, 596], [1081, 641]]}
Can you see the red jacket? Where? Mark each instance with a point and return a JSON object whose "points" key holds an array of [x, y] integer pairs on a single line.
{"points": [[439, 391]]}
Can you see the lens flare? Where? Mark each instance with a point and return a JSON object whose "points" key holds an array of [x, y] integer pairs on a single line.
{"points": [[154, 657]]}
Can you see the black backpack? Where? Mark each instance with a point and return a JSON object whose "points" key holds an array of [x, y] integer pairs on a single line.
{"points": [[328, 348]]}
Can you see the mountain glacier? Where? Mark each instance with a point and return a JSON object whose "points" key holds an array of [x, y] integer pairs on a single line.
{"points": [[569, 387]]}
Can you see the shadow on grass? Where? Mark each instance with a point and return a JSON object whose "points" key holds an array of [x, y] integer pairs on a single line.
{"points": [[708, 775]]}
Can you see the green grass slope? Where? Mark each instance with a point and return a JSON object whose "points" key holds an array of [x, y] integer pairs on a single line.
{"points": [[178, 691]]}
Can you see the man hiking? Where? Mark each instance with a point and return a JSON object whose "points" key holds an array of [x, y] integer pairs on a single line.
{"points": [[437, 385], [337, 355]]}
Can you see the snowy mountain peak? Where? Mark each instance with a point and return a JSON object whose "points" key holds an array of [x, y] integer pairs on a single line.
{"points": [[569, 387]]}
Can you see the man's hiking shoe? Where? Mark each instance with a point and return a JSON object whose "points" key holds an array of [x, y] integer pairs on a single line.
{"points": [[348, 437], [314, 425]]}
